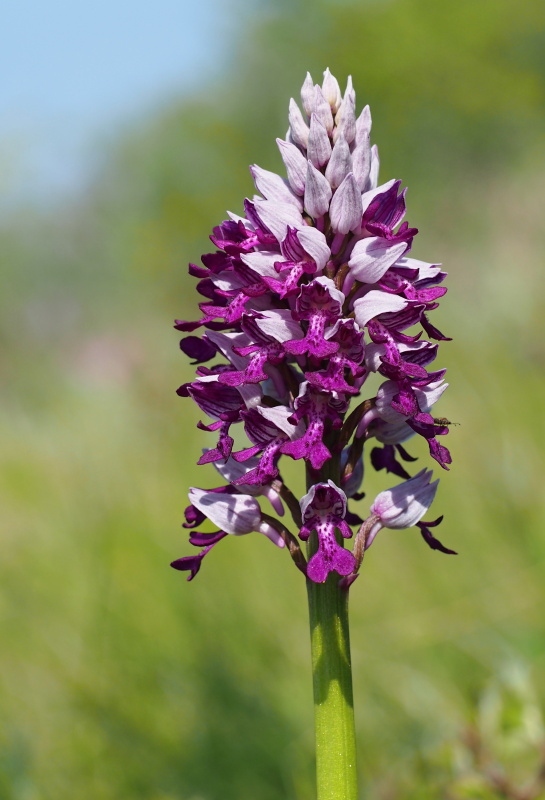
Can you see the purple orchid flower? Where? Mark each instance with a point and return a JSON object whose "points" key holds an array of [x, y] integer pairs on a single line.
{"points": [[323, 510], [235, 514]]}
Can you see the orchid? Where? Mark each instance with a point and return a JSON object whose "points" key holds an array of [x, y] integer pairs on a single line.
{"points": [[310, 298]]}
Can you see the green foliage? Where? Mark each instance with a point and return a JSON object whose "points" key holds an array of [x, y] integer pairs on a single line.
{"points": [[119, 679]]}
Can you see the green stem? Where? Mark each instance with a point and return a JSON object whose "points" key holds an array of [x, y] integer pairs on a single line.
{"points": [[332, 683]]}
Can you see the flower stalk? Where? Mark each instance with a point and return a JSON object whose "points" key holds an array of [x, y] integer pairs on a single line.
{"points": [[336, 777]]}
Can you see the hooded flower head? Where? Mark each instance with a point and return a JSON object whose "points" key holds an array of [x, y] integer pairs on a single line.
{"points": [[405, 505]]}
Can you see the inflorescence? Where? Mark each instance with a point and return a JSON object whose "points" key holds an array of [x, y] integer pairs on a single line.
{"points": [[308, 295]]}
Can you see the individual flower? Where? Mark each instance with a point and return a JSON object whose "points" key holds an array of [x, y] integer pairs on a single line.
{"points": [[235, 514], [323, 510], [404, 505]]}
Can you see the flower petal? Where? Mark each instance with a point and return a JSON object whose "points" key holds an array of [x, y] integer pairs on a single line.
{"points": [[233, 513], [345, 210], [375, 303], [372, 257]]}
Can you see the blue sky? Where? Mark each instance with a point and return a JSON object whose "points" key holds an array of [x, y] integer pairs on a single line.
{"points": [[72, 72]]}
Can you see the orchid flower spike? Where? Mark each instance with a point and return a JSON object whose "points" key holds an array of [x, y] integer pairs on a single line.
{"points": [[310, 292]]}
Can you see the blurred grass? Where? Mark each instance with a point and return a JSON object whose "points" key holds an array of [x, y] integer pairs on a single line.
{"points": [[119, 679]]}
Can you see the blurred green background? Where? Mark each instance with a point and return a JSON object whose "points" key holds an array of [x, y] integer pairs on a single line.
{"points": [[118, 679]]}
